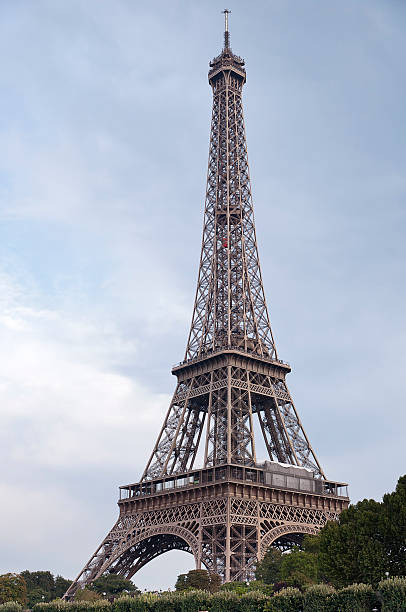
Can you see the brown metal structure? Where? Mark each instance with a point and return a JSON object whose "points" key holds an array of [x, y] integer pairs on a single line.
{"points": [[231, 383]]}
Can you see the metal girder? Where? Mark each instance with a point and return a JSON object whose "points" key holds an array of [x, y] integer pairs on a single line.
{"points": [[230, 308], [227, 401]]}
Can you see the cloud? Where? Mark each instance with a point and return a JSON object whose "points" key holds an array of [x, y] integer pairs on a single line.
{"points": [[61, 390]]}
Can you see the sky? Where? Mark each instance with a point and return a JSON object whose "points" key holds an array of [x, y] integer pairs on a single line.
{"points": [[104, 128]]}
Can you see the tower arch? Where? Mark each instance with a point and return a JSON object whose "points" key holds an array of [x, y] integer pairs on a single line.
{"points": [[292, 533], [139, 548]]}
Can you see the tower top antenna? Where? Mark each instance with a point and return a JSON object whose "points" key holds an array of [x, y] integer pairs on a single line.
{"points": [[226, 13]]}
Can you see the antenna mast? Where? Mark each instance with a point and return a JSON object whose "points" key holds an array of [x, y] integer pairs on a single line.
{"points": [[226, 32]]}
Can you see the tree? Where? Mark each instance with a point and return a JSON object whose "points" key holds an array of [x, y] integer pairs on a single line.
{"points": [[299, 568], [198, 579], [43, 586], [268, 570], [13, 588], [368, 540], [394, 528], [112, 584], [42, 580], [349, 551], [181, 583], [40, 586], [37, 595], [311, 544], [240, 588], [60, 587]]}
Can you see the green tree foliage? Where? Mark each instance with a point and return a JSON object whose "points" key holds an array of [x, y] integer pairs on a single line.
{"points": [[42, 586], [61, 586], [311, 544], [13, 588], [112, 585], [189, 601], [253, 601], [43, 581], [37, 595], [393, 594], [258, 585], [368, 540], [240, 588], [11, 606], [198, 579], [355, 598], [269, 568], [349, 551], [318, 598], [224, 601], [141, 603], [286, 600], [299, 568], [87, 595], [59, 605], [235, 587], [394, 528]]}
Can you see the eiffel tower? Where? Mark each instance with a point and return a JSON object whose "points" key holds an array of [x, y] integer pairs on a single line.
{"points": [[231, 384]]}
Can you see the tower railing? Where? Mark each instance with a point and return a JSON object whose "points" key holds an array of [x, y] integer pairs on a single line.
{"points": [[247, 353]]}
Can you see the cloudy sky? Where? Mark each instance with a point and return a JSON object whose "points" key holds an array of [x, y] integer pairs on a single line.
{"points": [[104, 124]]}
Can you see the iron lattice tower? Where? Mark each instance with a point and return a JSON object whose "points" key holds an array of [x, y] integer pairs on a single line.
{"points": [[228, 511]]}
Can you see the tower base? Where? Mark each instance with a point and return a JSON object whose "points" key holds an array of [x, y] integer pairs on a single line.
{"points": [[225, 516]]}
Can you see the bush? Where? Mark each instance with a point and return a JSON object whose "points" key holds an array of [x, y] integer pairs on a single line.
{"points": [[193, 601], [318, 598], [128, 604], [262, 587], [393, 594], [58, 605], [355, 598], [285, 600], [252, 601], [87, 595], [139, 603], [244, 587], [11, 606], [235, 587], [167, 602], [224, 601]]}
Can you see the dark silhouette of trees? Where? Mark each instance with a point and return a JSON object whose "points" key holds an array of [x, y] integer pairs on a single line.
{"points": [[112, 585], [198, 579]]}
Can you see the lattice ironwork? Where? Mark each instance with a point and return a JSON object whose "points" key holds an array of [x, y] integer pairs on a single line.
{"points": [[230, 377], [230, 314], [225, 535]]}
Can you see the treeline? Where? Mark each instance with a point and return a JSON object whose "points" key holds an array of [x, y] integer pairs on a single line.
{"points": [[389, 597], [30, 588]]}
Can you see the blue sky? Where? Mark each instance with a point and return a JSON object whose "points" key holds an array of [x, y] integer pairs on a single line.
{"points": [[104, 125]]}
